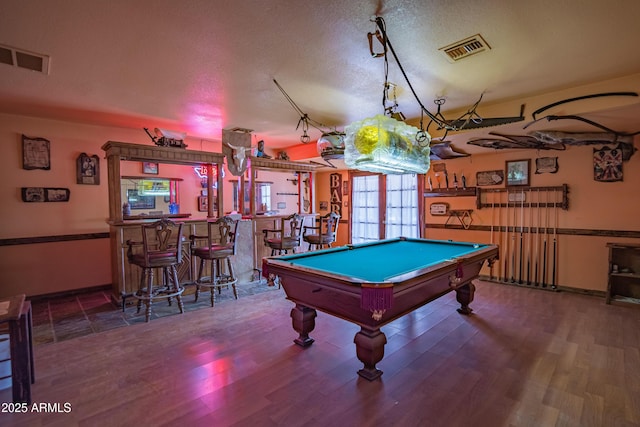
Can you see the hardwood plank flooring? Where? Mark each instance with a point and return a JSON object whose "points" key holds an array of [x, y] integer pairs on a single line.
{"points": [[524, 358]]}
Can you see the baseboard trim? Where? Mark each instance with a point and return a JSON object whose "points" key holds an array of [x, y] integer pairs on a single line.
{"points": [[70, 292], [590, 292]]}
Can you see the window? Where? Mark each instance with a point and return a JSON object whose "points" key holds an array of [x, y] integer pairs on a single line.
{"points": [[384, 207], [366, 209], [402, 206]]}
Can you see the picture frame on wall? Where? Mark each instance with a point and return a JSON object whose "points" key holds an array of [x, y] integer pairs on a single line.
{"points": [[151, 168], [486, 178], [88, 169], [518, 172], [36, 153], [203, 203]]}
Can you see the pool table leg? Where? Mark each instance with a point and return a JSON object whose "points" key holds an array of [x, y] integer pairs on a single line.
{"points": [[370, 350], [303, 320], [464, 295]]}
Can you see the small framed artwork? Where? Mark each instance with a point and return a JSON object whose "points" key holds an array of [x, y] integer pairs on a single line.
{"points": [[485, 178], [88, 169], [150, 168], [546, 165], [36, 153], [45, 194], [607, 164], [517, 172], [203, 203], [324, 206], [438, 209]]}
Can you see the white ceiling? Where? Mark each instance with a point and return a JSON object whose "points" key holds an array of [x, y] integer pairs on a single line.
{"points": [[199, 66]]}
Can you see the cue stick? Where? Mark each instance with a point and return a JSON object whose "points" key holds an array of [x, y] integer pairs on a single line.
{"points": [[493, 212], [555, 238], [504, 247], [521, 238], [506, 240], [529, 239], [537, 237], [513, 243], [546, 225]]}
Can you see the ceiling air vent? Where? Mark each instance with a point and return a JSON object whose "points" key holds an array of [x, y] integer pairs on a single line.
{"points": [[464, 48], [23, 59]]}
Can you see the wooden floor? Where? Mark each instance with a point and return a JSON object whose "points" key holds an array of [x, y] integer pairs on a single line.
{"points": [[524, 358]]}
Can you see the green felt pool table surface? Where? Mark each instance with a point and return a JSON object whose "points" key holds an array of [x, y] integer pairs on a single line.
{"points": [[382, 260]]}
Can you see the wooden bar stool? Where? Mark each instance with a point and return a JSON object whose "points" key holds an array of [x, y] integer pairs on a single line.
{"points": [[286, 237], [161, 249], [221, 238], [324, 234], [17, 313]]}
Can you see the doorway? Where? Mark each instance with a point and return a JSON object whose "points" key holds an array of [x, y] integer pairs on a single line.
{"points": [[384, 206]]}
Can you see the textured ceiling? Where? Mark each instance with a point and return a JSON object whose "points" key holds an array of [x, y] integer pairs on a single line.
{"points": [[199, 66]]}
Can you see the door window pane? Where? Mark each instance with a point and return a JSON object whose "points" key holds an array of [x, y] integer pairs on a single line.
{"points": [[365, 213], [402, 206]]}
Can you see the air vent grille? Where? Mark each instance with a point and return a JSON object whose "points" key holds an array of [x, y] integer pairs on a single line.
{"points": [[23, 59], [465, 48]]}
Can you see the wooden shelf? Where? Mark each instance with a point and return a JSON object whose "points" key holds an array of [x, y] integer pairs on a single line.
{"points": [[624, 279], [451, 192]]}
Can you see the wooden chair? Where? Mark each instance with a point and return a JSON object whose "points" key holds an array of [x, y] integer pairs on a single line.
{"points": [[286, 237], [221, 245], [161, 249], [324, 234]]}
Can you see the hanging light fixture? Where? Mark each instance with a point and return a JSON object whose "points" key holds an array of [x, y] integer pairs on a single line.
{"points": [[384, 145]]}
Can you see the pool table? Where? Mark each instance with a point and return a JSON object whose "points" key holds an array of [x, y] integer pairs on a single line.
{"points": [[372, 284]]}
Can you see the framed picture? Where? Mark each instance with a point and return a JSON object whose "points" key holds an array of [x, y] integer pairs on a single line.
{"points": [[546, 165], [88, 169], [517, 172], [485, 178], [45, 194], [203, 203], [438, 209], [36, 153], [150, 167]]}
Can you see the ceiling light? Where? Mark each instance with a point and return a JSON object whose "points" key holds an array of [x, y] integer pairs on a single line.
{"points": [[382, 144]]}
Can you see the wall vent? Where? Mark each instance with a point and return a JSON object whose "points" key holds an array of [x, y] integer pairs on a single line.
{"points": [[23, 59], [465, 48]]}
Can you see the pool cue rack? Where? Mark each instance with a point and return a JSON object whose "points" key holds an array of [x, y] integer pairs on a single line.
{"points": [[451, 192], [481, 196], [524, 224]]}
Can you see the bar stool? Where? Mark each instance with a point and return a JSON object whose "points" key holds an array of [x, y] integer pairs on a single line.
{"points": [[324, 233], [286, 237], [17, 313], [161, 249], [221, 245]]}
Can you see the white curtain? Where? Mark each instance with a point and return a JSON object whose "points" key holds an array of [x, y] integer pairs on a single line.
{"points": [[402, 206], [365, 210]]}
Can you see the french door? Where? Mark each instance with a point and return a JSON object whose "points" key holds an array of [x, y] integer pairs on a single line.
{"points": [[385, 206]]}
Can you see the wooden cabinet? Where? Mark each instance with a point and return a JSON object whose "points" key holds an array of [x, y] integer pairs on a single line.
{"points": [[624, 272]]}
